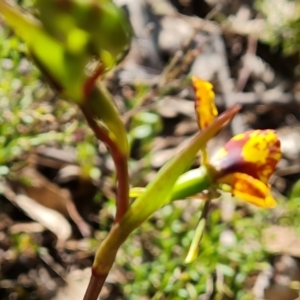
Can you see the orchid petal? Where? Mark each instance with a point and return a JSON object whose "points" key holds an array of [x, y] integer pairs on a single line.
{"points": [[255, 153], [204, 102], [249, 189]]}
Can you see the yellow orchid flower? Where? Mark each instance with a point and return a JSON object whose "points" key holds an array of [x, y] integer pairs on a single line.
{"points": [[247, 160], [246, 163]]}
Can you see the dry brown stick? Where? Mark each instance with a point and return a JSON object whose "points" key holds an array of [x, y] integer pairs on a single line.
{"points": [[245, 72]]}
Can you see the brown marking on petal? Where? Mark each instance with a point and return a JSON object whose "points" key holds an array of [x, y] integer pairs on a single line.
{"points": [[255, 153], [249, 189], [263, 150]]}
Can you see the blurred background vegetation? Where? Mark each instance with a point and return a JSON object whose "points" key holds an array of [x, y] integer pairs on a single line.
{"points": [[49, 155]]}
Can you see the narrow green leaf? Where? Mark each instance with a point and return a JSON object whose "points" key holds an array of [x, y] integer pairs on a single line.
{"points": [[159, 191], [195, 246], [198, 234]]}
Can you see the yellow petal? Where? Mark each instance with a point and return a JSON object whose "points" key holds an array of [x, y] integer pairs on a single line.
{"points": [[249, 189], [204, 102], [263, 150]]}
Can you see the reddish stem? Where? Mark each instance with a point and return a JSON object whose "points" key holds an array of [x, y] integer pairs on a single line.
{"points": [[121, 164], [90, 82], [123, 186], [120, 161], [95, 286]]}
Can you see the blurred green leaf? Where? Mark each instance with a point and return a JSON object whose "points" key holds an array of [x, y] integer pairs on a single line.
{"points": [[63, 69], [96, 27], [295, 192]]}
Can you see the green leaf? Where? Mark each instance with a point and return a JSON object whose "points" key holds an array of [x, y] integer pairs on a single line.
{"points": [[107, 32], [195, 246], [63, 68]]}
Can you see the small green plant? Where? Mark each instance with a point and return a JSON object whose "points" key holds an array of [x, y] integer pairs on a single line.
{"points": [[63, 40], [282, 24], [291, 207]]}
